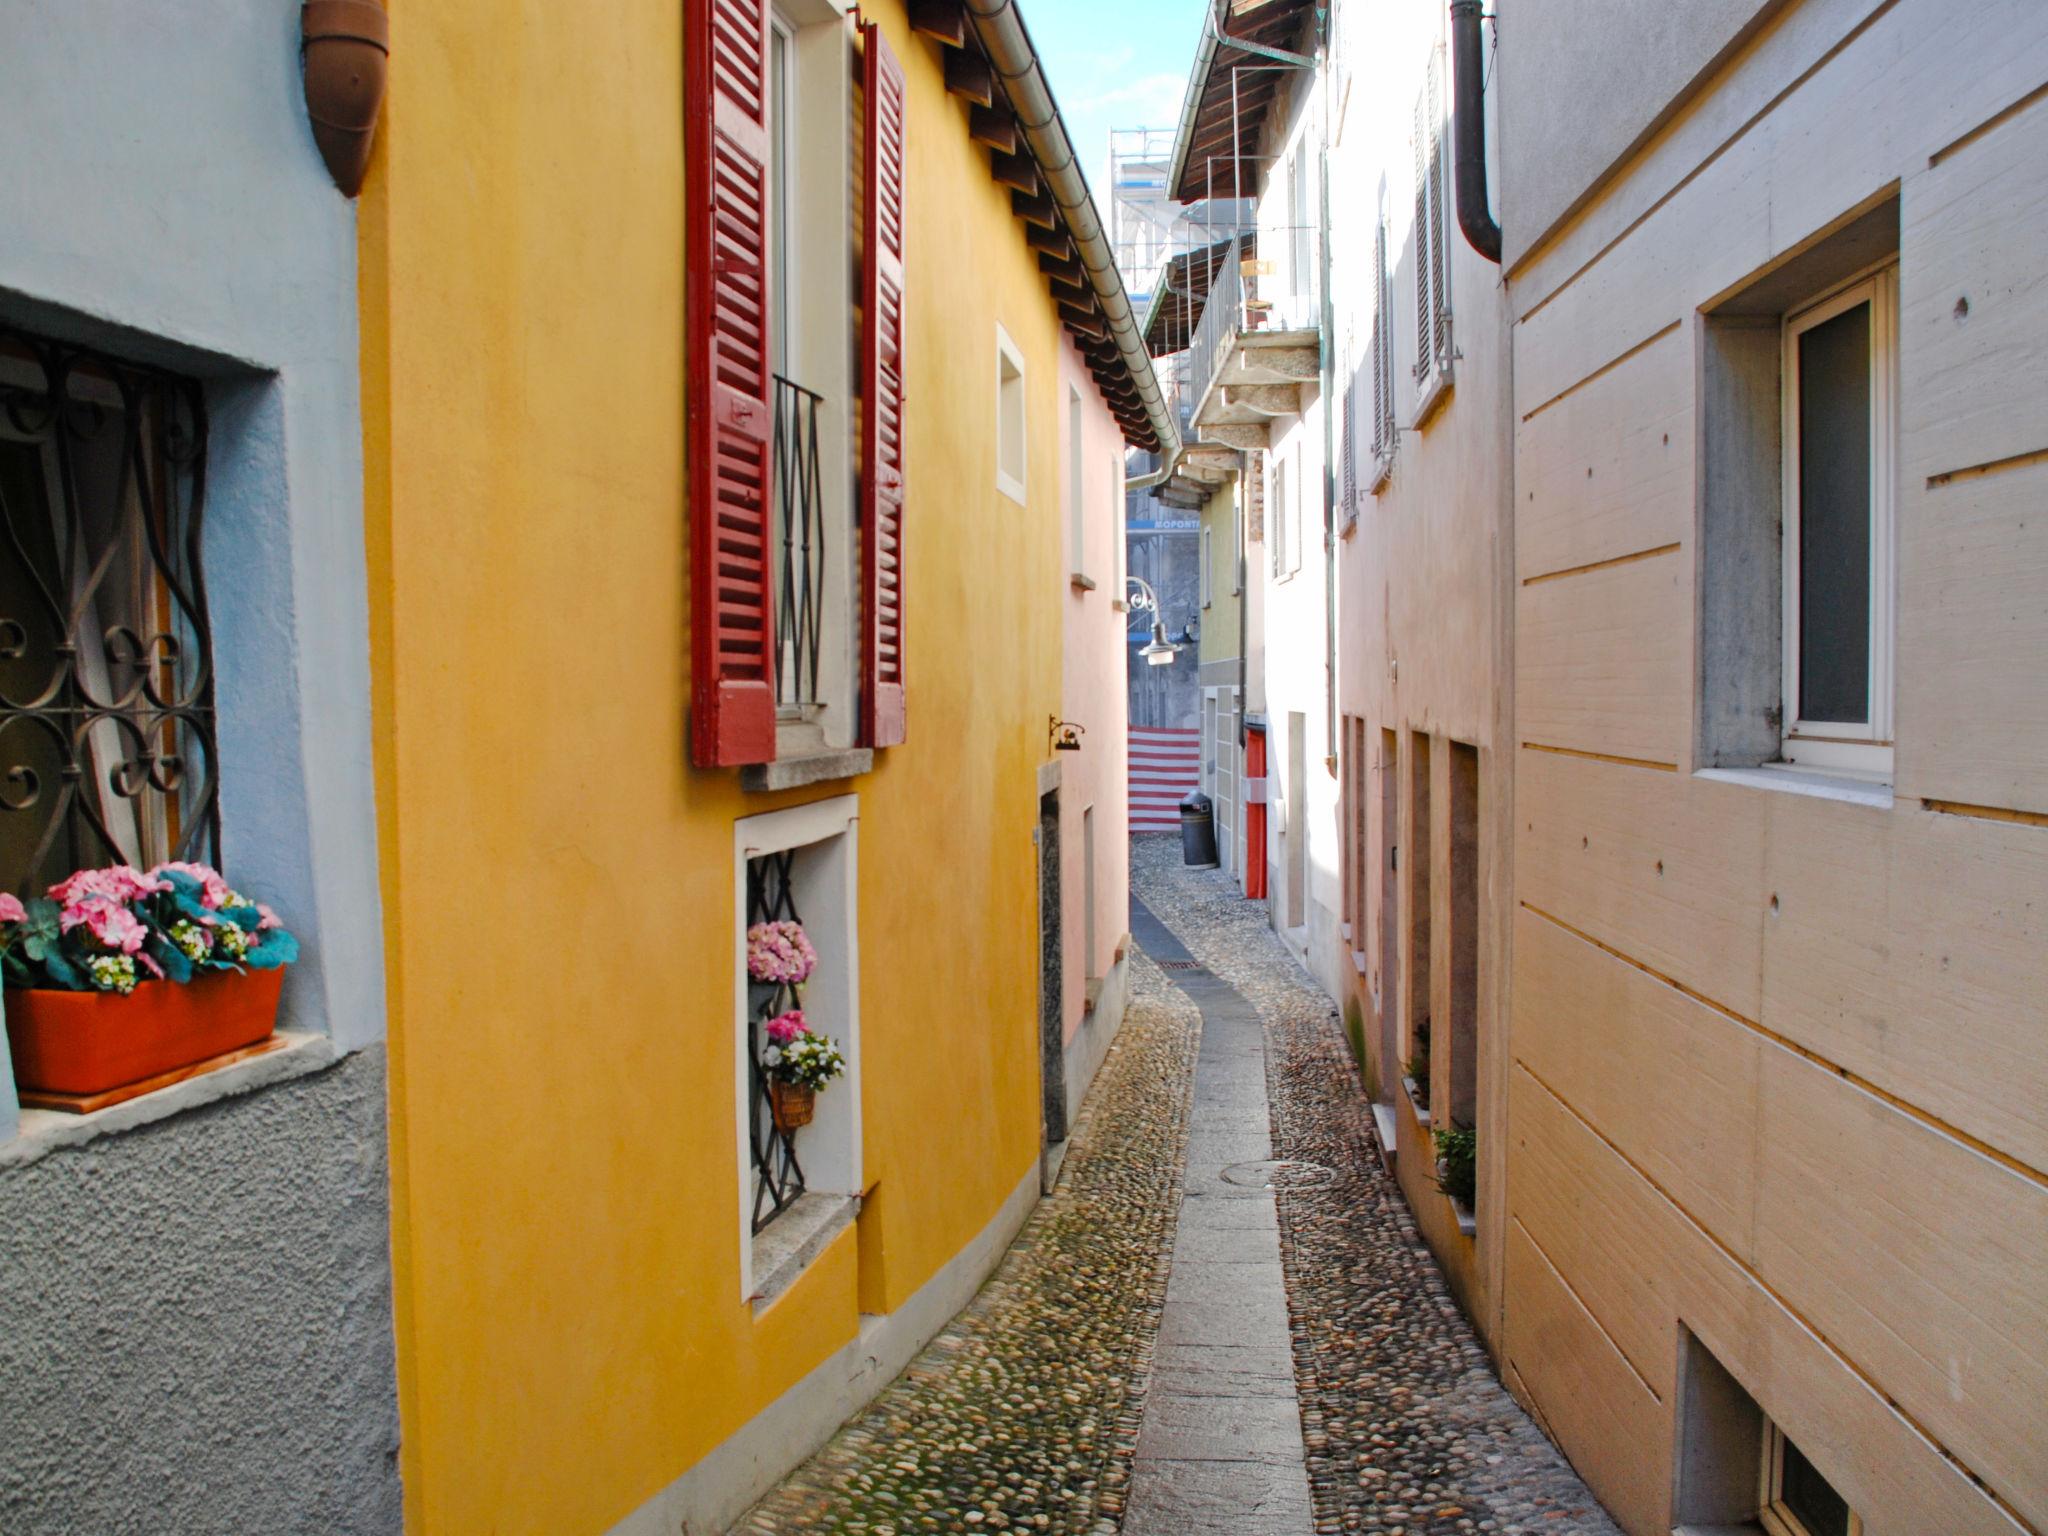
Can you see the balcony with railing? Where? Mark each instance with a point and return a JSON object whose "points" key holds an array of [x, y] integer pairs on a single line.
{"points": [[1258, 346]]}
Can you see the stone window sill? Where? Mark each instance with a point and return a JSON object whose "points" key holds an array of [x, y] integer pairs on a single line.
{"points": [[1805, 781], [788, 1245], [811, 768], [44, 1131]]}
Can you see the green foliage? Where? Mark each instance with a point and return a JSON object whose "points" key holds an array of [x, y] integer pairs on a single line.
{"points": [[1457, 1163]]}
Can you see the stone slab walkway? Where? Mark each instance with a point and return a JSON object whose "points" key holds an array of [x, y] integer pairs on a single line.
{"points": [[1220, 1449], [1223, 1320]]}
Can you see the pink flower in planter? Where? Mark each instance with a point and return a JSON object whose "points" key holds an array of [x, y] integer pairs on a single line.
{"points": [[785, 1027], [270, 918], [107, 920], [11, 909], [214, 892], [116, 883]]}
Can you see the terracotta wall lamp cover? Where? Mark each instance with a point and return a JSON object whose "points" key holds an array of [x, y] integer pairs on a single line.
{"points": [[347, 45]]}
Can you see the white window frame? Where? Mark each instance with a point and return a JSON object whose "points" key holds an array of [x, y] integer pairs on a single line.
{"points": [[1773, 1514], [1276, 517], [1208, 564], [1011, 485], [1386, 435], [782, 192], [1863, 750], [832, 1148], [1077, 509]]}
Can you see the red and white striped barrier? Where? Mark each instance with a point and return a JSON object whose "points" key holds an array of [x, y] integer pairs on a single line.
{"points": [[1166, 767]]}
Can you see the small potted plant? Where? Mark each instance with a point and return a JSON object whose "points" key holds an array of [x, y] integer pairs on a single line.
{"points": [[796, 1061], [799, 1063], [118, 976]]}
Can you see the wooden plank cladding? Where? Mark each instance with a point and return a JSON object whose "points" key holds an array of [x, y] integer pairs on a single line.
{"points": [[1778, 1044]]}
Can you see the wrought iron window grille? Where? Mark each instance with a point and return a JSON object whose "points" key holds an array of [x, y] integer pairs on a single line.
{"points": [[778, 1176], [107, 728], [800, 536]]}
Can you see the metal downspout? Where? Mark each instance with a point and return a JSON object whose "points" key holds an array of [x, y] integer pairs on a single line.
{"points": [[1008, 46], [1468, 117], [1327, 323]]}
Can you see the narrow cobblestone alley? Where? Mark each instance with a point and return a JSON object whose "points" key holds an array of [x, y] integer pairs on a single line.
{"points": [[1223, 1320]]}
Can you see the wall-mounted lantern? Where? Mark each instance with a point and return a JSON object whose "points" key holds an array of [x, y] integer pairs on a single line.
{"points": [[1157, 651], [347, 47]]}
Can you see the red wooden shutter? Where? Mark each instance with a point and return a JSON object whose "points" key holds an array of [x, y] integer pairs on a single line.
{"points": [[881, 492], [731, 403]]}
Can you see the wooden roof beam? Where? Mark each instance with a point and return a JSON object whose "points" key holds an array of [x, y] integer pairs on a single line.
{"points": [[968, 74], [1017, 172], [994, 127], [1049, 241], [945, 20], [1037, 210]]}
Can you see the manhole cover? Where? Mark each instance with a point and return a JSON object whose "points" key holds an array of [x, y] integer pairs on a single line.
{"points": [[1180, 965], [1284, 1174]]}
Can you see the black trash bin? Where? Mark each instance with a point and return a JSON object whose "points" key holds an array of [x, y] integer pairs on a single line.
{"points": [[1198, 832]]}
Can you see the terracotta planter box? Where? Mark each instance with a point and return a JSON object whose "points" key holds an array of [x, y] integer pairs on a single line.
{"points": [[89, 1042]]}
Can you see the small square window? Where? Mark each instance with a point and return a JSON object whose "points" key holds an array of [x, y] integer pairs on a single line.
{"points": [[1796, 1500], [1009, 417]]}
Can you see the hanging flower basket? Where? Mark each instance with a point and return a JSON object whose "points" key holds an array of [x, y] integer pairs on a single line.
{"points": [[793, 1103], [89, 1042]]}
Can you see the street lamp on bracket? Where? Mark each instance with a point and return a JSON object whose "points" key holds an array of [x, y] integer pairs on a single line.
{"points": [[1139, 596]]}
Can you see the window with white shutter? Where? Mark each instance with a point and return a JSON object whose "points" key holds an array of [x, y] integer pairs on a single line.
{"points": [[1432, 244], [1381, 360]]}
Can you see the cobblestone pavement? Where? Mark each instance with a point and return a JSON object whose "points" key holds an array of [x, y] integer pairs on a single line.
{"points": [[1408, 1430], [1023, 1413]]}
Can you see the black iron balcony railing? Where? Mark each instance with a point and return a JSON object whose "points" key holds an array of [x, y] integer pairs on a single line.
{"points": [[778, 1176], [107, 745], [800, 542]]}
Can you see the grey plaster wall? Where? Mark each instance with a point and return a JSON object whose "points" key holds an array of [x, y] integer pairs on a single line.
{"points": [[195, 1323], [1582, 82], [195, 1317]]}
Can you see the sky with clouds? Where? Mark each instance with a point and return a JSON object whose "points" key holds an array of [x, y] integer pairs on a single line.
{"points": [[1114, 64]]}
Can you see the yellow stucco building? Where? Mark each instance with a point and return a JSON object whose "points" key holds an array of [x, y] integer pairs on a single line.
{"points": [[591, 1334]]}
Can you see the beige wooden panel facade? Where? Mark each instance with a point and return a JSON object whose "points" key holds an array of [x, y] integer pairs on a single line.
{"points": [[1615, 1039], [1604, 1403], [1907, 947], [1826, 1159], [1973, 617], [1574, 1195], [1601, 659], [1667, 869], [1635, 423]]}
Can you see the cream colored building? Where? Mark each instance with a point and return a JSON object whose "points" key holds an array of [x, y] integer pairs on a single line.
{"points": [[1776, 1229]]}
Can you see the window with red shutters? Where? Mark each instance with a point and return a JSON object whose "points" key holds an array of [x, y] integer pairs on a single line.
{"points": [[730, 401], [881, 491]]}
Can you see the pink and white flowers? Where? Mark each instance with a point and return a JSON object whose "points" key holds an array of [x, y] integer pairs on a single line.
{"points": [[780, 953], [108, 929]]}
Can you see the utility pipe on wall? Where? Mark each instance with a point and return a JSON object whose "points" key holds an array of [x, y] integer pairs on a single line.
{"points": [[1468, 109]]}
